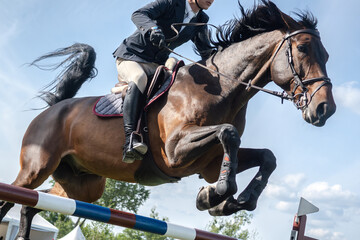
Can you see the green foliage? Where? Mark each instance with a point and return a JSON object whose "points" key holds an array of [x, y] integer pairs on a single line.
{"points": [[62, 222], [232, 226], [123, 196], [98, 231]]}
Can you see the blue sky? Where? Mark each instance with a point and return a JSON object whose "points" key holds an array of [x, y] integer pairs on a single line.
{"points": [[320, 164]]}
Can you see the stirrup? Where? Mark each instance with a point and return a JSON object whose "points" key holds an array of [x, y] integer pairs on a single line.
{"points": [[139, 147], [131, 155], [134, 151]]}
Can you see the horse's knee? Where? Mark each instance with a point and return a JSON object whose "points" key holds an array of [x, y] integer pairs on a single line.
{"points": [[229, 135], [269, 160], [29, 212], [30, 178]]}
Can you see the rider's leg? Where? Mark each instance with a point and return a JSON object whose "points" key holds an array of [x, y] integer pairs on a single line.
{"points": [[136, 75]]}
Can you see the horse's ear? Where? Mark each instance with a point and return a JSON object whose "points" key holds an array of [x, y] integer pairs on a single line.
{"points": [[290, 23]]}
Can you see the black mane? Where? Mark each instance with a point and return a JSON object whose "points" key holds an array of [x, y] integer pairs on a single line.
{"points": [[262, 18]]}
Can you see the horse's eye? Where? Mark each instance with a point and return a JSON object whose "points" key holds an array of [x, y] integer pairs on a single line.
{"points": [[302, 48]]}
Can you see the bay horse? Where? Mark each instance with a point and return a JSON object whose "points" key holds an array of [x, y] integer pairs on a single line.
{"points": [[195, 128]]}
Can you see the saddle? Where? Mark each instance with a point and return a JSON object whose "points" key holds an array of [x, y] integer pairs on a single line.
{"points": [[110, 106]]}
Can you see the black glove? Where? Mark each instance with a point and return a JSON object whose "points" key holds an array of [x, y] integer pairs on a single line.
{"points": [[157, 37]]}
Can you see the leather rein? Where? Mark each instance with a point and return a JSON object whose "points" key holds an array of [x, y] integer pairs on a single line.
{"points": [[300, 100]]}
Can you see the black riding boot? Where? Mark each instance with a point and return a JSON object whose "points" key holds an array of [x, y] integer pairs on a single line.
{"points": [[133, 103]]}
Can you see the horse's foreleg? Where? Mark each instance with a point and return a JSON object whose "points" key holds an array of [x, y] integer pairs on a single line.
{"points": [[4, 208], [27, 215], [193, 142], [247, 200], [267, 162]]}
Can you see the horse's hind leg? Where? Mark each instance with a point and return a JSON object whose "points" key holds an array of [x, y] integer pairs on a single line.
{"points": [[27, 214], [37, 165], [194, 141], [247, 200]]}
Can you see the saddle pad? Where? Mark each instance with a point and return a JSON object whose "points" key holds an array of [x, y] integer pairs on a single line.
{"points": [[109, 106]]}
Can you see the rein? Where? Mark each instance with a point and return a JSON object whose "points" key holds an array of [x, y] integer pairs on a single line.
{"points": [[303, 100]]}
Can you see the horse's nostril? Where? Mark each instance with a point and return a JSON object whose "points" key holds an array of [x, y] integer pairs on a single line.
{"points": [[321, 110]]}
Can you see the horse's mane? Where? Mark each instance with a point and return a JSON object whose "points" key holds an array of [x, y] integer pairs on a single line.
{"points": [[262, 18]]}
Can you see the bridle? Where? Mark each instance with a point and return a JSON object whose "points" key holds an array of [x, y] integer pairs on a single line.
{"points": [[301, 100]]}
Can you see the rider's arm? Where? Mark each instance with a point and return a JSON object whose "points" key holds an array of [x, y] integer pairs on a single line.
{"points": [[145, 17], [202, 41]]}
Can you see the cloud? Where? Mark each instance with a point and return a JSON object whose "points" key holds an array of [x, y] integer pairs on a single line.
{"points": [[337, 205], [283, 189], [348, 95], [294, 180], [285, 206], [325, 234], [323, 192]]}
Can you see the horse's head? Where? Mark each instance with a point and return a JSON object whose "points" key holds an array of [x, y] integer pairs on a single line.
{"points": [[298, 66]]}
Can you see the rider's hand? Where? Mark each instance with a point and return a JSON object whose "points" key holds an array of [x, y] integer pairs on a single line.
{"points": [[157, 37]]}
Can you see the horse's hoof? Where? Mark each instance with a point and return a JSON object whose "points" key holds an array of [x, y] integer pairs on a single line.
{"points": [[202, 199], [247, 201], [208, 198], [226, 208]]}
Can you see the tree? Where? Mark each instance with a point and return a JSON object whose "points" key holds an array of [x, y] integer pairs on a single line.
{"points": [[62, 222], [98, 231], [123, 196], [232, 226]]}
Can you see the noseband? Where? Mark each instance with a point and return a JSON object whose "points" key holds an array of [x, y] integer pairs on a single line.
{"points": [[301, 100]]}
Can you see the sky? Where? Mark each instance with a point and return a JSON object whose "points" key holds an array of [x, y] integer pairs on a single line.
{"points": [[320, 164]]}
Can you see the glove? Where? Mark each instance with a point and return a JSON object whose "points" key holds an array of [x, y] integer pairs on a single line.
{"points": [[157, 37]]}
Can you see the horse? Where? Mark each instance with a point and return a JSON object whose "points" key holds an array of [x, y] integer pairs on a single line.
{"points": [[195, 128]]}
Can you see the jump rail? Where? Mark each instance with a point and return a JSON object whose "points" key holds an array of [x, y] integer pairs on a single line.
{"points": [[77, 208]]}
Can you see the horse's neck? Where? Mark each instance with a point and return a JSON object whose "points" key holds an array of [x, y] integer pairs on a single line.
{"points": [[245, 61]]}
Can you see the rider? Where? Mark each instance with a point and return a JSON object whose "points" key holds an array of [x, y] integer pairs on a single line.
{"points": [[139, 55]]}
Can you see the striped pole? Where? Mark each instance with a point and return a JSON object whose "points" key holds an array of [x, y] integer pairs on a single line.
{"points": [[77, 208]]}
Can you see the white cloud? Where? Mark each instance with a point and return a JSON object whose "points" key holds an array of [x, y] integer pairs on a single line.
{"points": [[325, 234], [285, 206], [322, 191], [294, 180], [348, 95], [284, 189], [338, 206]]}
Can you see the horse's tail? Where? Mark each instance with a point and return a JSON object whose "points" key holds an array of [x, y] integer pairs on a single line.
{"points": [[77, 68]]}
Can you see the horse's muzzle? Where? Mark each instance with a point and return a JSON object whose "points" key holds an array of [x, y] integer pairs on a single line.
{"points": [[317, 116]]}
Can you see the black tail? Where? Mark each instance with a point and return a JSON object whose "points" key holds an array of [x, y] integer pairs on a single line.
{"points": [[77, 68]]}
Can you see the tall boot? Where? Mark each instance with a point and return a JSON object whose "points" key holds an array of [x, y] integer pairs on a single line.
{"points": [[133, 104]]}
